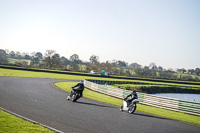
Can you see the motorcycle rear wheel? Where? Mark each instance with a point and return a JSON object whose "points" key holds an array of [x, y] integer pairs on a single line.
{"points": [[132, 108], [121, 108]]}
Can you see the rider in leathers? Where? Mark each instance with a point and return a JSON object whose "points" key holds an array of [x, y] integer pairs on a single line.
{"points": [[80, 87], [131, 97]]}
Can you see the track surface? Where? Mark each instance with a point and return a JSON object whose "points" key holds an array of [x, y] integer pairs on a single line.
{"points": [[39, 100]]}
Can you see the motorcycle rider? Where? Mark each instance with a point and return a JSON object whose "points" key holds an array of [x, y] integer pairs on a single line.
{"points": [[131, 97], [80, 87]]}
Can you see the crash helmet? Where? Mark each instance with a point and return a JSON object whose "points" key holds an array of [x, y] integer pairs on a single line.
{"points": [[81, 82], [133, 91]]}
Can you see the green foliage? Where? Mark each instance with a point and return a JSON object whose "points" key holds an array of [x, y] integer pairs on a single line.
{"points": [[53, 61]]}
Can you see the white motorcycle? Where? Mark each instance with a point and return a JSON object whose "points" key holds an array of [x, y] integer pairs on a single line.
{"points": [[131, 107]]}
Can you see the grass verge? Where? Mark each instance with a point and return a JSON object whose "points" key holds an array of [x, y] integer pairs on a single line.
{"points": [[21, 73], [142, 108], [12, 124]]}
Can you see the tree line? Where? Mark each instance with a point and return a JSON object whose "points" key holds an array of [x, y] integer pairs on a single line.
{"points": [[52, 60]]}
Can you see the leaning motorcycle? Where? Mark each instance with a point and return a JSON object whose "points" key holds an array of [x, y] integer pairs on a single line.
{"points": [[131, 107], [74, 95]]}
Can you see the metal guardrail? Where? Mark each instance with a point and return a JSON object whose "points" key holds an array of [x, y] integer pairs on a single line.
{"points": [[147, 99]]}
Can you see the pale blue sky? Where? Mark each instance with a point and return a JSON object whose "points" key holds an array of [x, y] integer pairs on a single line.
{"points": [[166, 32]]}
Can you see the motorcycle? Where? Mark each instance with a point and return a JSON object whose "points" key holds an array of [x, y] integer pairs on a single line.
{"points": [[131, 107], [74, 95]]}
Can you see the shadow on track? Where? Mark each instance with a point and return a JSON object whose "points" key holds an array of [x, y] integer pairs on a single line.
{"points": [[92, 104], [151, 116], [136, 113]]}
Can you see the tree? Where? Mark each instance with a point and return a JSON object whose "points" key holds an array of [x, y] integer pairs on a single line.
{"points": [[18, 55], [135, 66], [183, 70], [48, 58], [108, 66], [191, 71], [2, 53], [94, 59], [34, 60], [39, 55], [7, 51], [21, 63], [197, 71], [56, 61], [65, 60], [12, 54], [27, 57], [160, 68], [154, 68], [3, 59], [167, 75], [152, 65], [75, 61], [74, 58], [121, 64]]}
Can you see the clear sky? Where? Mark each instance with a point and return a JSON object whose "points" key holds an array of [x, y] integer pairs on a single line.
{"points": [[166, 32]]}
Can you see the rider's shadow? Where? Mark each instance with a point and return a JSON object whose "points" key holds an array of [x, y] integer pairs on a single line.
{"points": [[151, 116], [93, 104]]}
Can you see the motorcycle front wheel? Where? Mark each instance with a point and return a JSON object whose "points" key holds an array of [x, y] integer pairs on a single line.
{"points": [[132, 108], [68, 97], [75, 97]]}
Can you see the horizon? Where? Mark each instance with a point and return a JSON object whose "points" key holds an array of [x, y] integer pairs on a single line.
{"points": [[163, 32], [110, 61]]}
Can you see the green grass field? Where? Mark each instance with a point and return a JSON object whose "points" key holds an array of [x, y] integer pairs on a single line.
{"points": [[97, 96]]}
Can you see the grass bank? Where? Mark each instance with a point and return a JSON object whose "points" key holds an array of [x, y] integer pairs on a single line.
{"points": [[12, 124]]}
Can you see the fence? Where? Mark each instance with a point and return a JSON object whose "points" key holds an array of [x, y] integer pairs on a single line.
{"points": [[146, 99]]}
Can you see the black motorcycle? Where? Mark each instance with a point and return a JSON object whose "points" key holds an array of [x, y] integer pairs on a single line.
{"points": [[74, 95]]}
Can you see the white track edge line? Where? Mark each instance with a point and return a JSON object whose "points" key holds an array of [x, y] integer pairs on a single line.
{"points": [[32, 121]]}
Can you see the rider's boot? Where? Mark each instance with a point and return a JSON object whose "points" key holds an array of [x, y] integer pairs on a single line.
{"points": [[121, 108]]}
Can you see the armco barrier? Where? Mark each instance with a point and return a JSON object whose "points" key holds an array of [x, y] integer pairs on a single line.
{"points": [[147, 99]]}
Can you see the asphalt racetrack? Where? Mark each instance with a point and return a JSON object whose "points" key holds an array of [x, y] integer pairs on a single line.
{"points": [[38, 100]]}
